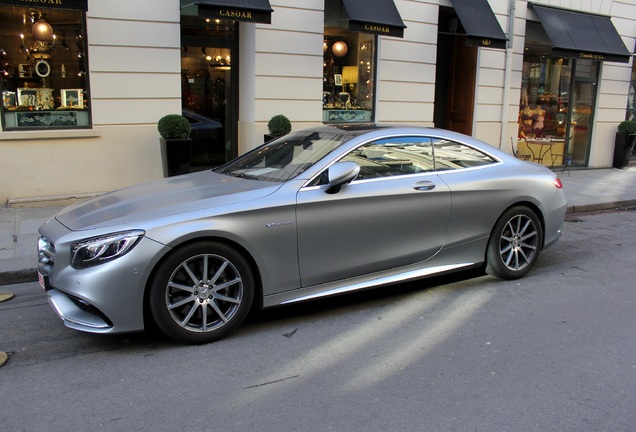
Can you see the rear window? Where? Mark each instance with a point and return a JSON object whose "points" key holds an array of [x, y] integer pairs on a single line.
{"points": [[450, 155]]}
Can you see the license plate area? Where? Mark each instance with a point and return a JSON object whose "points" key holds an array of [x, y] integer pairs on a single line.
{"points": [[44, 282]]}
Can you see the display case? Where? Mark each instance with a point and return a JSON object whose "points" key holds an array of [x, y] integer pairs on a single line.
{"points": [[348, 76], [43, 78]]}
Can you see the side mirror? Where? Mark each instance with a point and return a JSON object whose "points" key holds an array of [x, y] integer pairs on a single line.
{"points": [[340, 174]]}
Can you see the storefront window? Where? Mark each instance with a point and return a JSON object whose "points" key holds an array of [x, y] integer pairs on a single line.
{"points": [[43, 78], [348, 72], [558, 95], [544, 97]]}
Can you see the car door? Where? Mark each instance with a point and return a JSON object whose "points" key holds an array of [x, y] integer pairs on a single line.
{"points": [[395, 213]]}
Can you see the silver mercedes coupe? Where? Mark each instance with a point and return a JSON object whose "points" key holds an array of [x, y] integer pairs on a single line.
{"points": [[315, 213]]}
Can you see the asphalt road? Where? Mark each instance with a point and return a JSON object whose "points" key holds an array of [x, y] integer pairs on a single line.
{"points": [[554, 351]]}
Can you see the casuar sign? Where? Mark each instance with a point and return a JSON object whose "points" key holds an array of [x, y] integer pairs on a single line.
{"points": [[373, 28], [50, 4], [241, 15], [230, 14], [236, 14]]}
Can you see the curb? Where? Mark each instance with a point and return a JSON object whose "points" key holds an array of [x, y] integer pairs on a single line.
{"points": [[587, 208], [13, 277]]}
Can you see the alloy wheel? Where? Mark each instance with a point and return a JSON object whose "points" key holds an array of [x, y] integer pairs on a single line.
{"points": [[204, 293], [519, 242]]}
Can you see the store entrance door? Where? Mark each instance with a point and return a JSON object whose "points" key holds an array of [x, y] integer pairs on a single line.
{"points": [[580, 132], [209, 99], [461, 90], [582, 103], [455, 76]]}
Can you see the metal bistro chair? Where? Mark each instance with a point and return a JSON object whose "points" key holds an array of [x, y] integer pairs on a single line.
{"points": [[524, 157], [566, 159], [567, 164]]}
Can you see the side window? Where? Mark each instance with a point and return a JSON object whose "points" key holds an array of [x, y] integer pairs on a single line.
{"points": [[393, 157], [450, 155]]}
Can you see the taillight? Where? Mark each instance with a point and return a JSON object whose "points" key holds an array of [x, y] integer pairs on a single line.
{"points": [[557, 183]]}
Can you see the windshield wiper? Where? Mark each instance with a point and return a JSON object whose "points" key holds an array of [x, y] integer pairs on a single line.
{"points": [[240, 175]]}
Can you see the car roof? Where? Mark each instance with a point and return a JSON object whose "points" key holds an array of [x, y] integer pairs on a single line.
{"points": [[375, 130], [353, 130]]}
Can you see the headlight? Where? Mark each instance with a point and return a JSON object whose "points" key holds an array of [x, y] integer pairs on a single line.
{"points": [[98, 250]]}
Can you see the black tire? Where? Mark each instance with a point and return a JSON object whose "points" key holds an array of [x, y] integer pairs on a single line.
{"points": [[201, 293], [514, 244]]}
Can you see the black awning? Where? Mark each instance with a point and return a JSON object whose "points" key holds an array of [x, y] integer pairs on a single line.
{"points": [[374, 16], [50, 4], [259, 11], [480, 23], [581, 35]]}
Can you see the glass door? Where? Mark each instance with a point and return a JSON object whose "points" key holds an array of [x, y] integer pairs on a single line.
{"points": [[208, 69], [582, 102]]}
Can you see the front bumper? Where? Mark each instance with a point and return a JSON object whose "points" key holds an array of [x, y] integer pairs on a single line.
{"points": [[107, 298], [77, 317]]}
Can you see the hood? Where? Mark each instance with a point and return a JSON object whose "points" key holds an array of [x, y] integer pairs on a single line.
{"points": [[163, 197]]}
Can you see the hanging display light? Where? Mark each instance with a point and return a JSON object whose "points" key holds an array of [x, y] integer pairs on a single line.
{"points": [[42, 31], [339, 49]]}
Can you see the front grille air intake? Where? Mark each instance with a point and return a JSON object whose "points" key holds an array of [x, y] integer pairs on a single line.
{"points": [[46, 256]]}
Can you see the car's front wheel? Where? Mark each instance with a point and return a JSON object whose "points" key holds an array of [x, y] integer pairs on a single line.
{"points": [[201, 292], [514, 244]]}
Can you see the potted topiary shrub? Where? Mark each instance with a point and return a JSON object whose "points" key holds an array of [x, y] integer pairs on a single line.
{"points": [[624, 144], [278, 126], [176, 144]]}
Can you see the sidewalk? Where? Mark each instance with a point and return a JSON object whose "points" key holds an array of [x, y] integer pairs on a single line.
{"points": [[587, 190]]}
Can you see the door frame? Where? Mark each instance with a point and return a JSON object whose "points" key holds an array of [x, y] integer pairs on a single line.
{"points": [[232, 43], [455, 61], [568, 132]]}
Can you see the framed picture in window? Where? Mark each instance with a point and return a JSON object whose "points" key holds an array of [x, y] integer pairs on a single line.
{"points": [[45, 99], [27, 97], [337, 79], [72, 98], [9, 99]]}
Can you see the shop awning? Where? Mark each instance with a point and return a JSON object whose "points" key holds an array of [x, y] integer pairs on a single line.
{"points": [[374, 16], [258, 11], [480, 23], [50, 4], [581, 35]]}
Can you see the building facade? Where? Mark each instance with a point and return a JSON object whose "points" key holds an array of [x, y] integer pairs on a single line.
{"points": [[84, 82]]}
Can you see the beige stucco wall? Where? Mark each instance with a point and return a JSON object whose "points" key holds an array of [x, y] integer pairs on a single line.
{"points": [[114, 157], [406, 67], [288, 64]]}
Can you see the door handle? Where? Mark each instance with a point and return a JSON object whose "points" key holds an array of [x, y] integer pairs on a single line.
{"points": [[424, 185]]}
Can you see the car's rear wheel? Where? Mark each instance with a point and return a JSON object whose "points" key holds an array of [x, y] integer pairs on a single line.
{"points": [[201, 292], [514, 244]]}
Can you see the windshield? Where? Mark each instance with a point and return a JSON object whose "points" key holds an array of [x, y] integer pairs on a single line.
{"points": [[285, 157]]}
